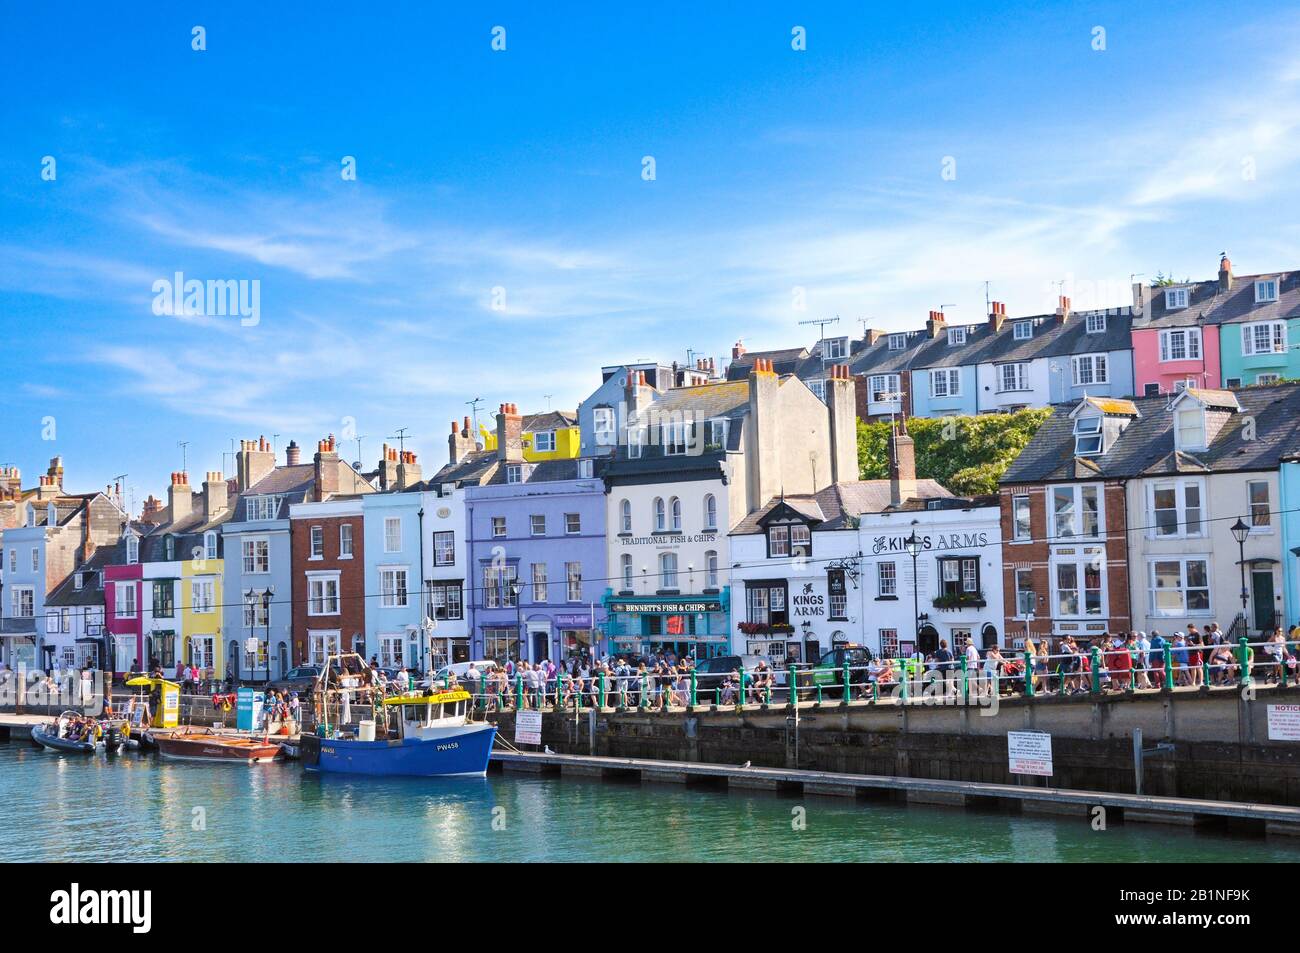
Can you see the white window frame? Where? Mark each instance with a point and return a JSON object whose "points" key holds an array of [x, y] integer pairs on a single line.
{"points": [[1089, 436], [1274, 334], [1189, 521], [20, 607], [537, 524], [539, 582], [1079, 492], [951, 376], [323, 594], [1095, 323], [347, 541], [626, 571], [1022, 611], [1098, 369], [604, 425], [711, 569], [124, 601], [710, 511], [132, 550], [498, 527], [572, 524], [250, 557], [837, 348], [625, 516], [1080, 561], [1176, 299], [544, 441], [444, 547], [1019, 377], [879, 385], [1018, 501], [317, 543], [1260, 521], [1181, 442], [389, 591], [1182, 589], [886, 578], [392, 540], [210, 545], [1266, 290], [956, 337], [668, 570], [573, 581], [1188, 338], [203, 595], [896, 342], [1022, 330]]}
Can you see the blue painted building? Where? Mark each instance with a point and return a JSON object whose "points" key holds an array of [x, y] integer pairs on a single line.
{"points": [[1289, 507]]}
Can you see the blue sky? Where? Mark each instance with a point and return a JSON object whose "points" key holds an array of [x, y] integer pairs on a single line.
{"points": [[775, 169]]}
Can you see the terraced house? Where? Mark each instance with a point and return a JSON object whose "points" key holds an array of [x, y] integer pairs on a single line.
{"points": [[1120, 514]]}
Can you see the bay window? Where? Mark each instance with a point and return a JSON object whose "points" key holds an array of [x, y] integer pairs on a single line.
{"points": [[1263, 337], [1076, 511], [1078, 587], [1180, 344]]}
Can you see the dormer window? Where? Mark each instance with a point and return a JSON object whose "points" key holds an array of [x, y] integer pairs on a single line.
{"points": [[1022, 330], [897, 342], [1087, 436], [544, 441], [818, 387], [1189, 427], [51, 515], [1096, 323], [31, 515], [788, 539], [78, 580], [514, 473], [717, 433], [585, 469], [956, 336], [836, 348], [210, 545], [132, 551], [1265, 290], [1175, 299]]}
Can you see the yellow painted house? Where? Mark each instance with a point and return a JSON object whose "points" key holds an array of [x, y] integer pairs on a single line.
{"points": [[201, 602], [553, 435]]}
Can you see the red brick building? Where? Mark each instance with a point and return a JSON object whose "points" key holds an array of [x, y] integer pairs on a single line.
{"points": [[327, 549]]}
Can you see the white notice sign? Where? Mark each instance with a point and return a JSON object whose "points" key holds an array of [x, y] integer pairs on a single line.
{"points": [[528, 728], [1030, 752], [1284, 722]]}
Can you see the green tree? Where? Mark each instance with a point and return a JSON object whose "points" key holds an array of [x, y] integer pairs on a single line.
{"points": [[968, 455]]}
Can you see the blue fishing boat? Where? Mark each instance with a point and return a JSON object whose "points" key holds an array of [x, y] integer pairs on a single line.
{"points": [[413, 735]]}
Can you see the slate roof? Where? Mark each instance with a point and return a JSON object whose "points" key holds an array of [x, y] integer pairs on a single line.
{"points": [[550, 420], [1208, 305], [839, 503], [784, 361], [984, 345], [879, 359], [90, 594], [469, 471], [1146, 447]]}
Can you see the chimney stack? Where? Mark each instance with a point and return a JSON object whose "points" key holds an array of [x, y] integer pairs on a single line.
{"points": [[841, 403], [152, 510], [902, 465], [461, 443], [997, 316], [327, 469], [55, 473], [738, 350], [510, 425], [253, 462], [935, 324], [180, 503], [637, 395], [387, 468], [293, 454], [1062, 309], [215, 495], [409, 473], [1225, 273], [766, 476]]}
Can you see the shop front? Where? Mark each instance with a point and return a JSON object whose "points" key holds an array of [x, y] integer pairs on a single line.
{"points": [[682, 626]]}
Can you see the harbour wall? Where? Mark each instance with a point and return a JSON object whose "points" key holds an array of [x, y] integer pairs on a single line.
{"points": [[1217, 741]]}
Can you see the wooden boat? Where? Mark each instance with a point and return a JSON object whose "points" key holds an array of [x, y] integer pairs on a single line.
{"points": [[204, 744]]}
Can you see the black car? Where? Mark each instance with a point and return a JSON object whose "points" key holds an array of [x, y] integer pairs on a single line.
{"points": [[301, 680]]}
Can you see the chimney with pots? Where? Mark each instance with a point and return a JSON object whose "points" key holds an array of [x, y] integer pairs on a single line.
{"points": [[180, 502], [1062, 309], [902, 465], [935, 324], [461, 443], [1225, 273], [327, 469], [152, 510], [997, 316], [738, 350], [510, 446], [408, 471], [215, 495], [293, 454], [253, 462], [387, 467], [841, 402], [55, 473], [637, 394]]}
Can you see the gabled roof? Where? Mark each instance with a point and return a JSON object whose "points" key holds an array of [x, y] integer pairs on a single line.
{"points": [[784, 361], [1146, 446], [1112, 406], [470, 470], [1221, 399], [67, 593], [839, 504]]}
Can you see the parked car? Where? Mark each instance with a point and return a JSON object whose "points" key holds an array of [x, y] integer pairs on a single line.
{"points": [[710, 673], [301, 680], [828, 671], [459, 669]]}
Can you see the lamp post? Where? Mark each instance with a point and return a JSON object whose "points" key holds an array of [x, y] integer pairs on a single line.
{"points": [[1239, 532], [515, 589], [266, 621], [913, 546]]}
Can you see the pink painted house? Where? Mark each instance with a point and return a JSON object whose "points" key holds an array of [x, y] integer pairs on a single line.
{"points": [[1175, 345], [123, 589]]}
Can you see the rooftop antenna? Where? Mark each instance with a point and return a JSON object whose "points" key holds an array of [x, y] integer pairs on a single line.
{"points": [[184, 455], [400, 437], [548, 400], [988, 303], [117, 482], [821, 324], [359, 439], [275, 439], [473, 406]]}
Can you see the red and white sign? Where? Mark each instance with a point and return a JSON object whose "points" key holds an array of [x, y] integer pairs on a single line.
{"points": [[1284, 722], [1030, 752]]}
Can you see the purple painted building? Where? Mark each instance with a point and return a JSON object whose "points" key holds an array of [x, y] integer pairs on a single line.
{"points": [[536, 538]]}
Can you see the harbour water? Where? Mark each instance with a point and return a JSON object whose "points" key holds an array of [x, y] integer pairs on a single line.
{"points": [[135, 807]]}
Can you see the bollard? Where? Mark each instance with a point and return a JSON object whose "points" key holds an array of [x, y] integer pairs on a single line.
{"points": [[848, 688], [875, 692], [1029, 675], [1095, 656], [1205, 670], [819, 693], [767, 694], [645, 699], [1132, 670], [717, 695], [965, 683], [744, 687], [482, 688], [904, 687], [1244, 648], [694, 697], [519, 692], [1169, 667], [602, 690]]}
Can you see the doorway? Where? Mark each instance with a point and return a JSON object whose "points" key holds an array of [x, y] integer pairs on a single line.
{"points": [[1261, 597]]}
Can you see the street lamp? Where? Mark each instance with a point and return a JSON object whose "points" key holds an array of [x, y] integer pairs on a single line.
{"points": [[266, 621], [1239, 532], [913, 546], [515, 589]]}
